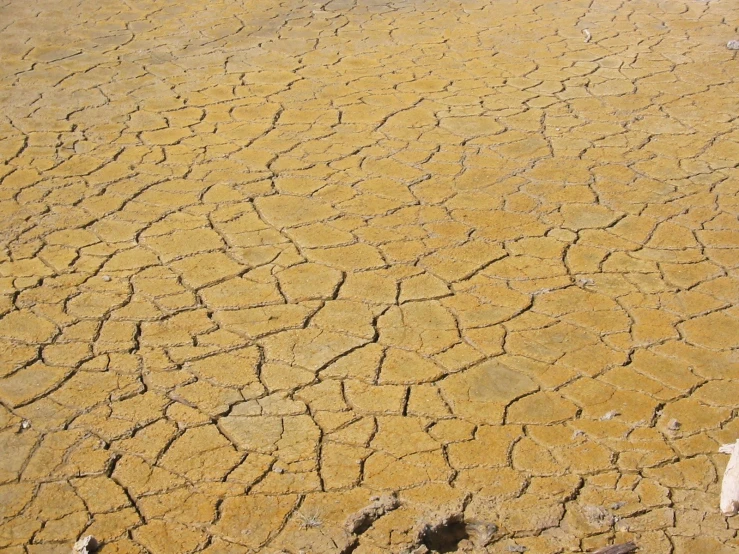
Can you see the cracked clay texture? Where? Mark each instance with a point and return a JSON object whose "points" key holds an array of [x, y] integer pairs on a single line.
{"points": [[263, 261]]}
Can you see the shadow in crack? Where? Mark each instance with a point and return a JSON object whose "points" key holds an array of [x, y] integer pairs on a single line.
{"points": [[445, 535]]}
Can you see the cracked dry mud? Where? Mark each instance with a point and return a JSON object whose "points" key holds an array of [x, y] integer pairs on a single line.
{"points": [[263, 261]]}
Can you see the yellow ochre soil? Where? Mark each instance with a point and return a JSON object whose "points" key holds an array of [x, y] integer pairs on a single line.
{"points": [[263, 261]]}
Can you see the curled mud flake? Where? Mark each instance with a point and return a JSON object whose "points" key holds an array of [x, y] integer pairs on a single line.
{"points": [[587, 35], [609, 415], [733, 45], [24, 426], [617, 549], [358, 523], [674, 425], [85, 545], [730, 482]]}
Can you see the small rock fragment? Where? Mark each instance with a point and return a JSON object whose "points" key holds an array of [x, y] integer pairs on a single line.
{"points": [[516, 548], [587, 34], [673, 425], [617, 549], [609, 415], [106, 278], [733, 45], [730, 484], [85, 545]]}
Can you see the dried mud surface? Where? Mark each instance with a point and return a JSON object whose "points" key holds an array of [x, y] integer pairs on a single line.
{"points": [[264, 261]]}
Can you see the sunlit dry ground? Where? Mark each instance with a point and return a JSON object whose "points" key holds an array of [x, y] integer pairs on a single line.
{"points": [[262, 261]]}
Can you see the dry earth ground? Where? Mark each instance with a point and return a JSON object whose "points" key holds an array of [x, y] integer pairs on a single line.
{"points": [[264, 260]]}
